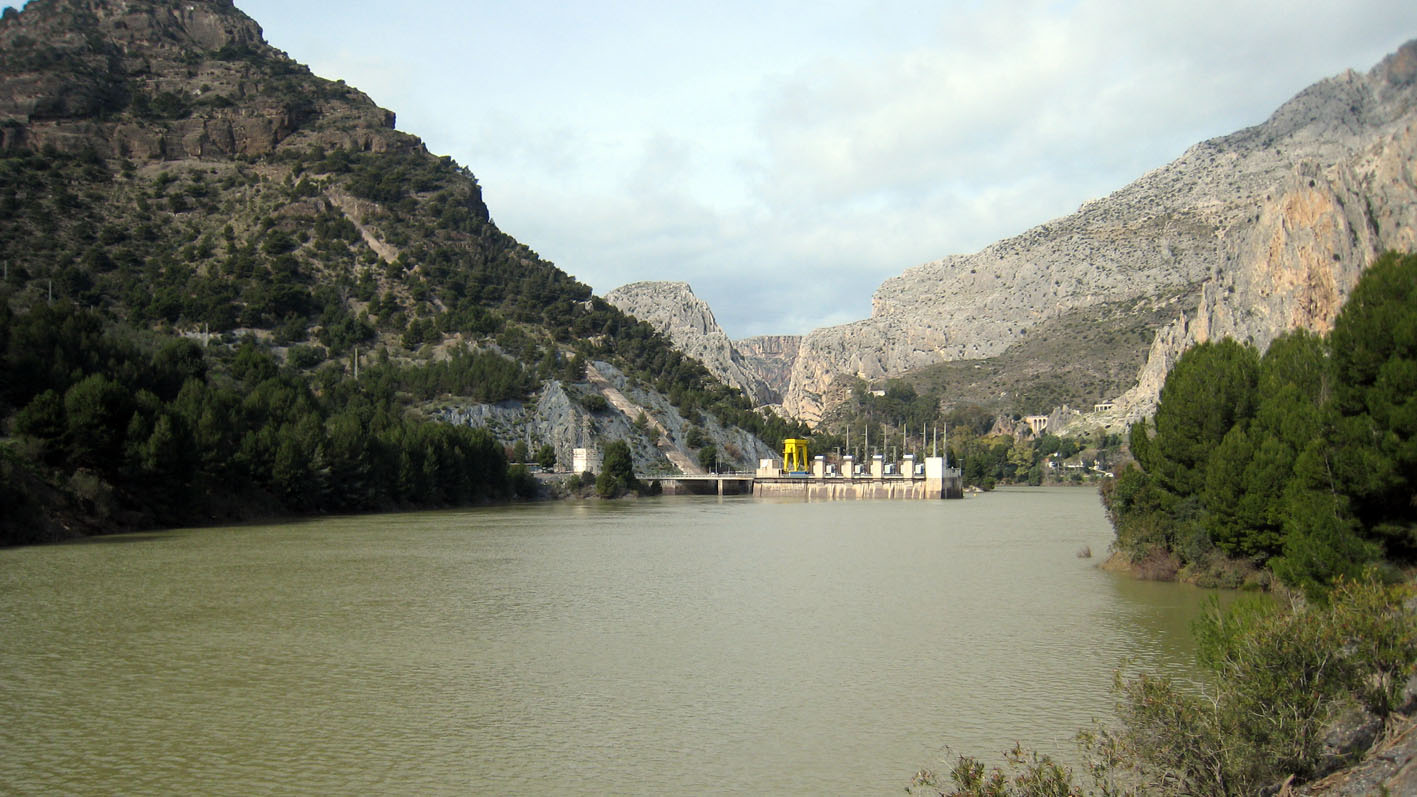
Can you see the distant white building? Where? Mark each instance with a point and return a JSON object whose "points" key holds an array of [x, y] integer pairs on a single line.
{"points": [[585, 459], [1038, 423]]}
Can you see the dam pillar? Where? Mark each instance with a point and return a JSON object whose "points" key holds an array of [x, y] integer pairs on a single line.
{"points": [[935, 477]]}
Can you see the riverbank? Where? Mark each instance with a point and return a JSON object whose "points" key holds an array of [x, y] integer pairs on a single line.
{"points": [[1216, 572], [40, 510], [1390, 767]]}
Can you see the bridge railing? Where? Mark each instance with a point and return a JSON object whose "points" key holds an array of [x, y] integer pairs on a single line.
{"points": [[737, 474]]}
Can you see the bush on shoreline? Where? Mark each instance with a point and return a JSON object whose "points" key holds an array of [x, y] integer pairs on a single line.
{"points": [[1279, 675]]}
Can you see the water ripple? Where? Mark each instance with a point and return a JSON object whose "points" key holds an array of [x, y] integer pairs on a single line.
{"points": [[680, 645]]}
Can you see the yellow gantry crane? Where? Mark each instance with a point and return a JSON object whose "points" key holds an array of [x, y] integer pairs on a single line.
{"points": [[794, 455]]}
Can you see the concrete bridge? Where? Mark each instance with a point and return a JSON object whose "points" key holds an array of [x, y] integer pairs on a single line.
{"points": [[706, 483]]}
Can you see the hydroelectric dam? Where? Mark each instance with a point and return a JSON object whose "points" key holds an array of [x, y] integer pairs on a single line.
{"points": [[929, 479]]}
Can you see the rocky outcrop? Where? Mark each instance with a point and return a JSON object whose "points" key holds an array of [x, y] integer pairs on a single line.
{"points": [[150, 80], [1295, 264], [674, 311], [557, 416], [770, 358], [1259, 231]]}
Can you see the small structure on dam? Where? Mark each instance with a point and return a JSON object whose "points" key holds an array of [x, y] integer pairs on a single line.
{"points": [[794, 456]]}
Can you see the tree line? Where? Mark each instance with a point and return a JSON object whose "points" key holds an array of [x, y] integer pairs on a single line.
{"points": [[130, 430], [1302, 460]]}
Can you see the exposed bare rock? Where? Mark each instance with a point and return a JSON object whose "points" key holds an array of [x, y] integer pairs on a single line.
{"points": [[673, 310], [149, 80], [770, 358], [1294, 265], [559, 418], [1390, 767], [1234, 225]]}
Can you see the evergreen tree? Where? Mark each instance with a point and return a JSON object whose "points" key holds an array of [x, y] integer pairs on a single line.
{"points": [[1374, 343], [617, 471], [1210, 389]]}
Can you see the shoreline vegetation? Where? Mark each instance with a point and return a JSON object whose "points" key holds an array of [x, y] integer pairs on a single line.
{"points": [[1300, 462], [1291, 472], [1293, 691]]}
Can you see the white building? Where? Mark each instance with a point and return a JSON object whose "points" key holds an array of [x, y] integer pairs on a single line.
{"points": [[585, 459]]}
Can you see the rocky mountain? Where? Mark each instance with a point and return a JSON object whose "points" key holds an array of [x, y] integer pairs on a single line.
{"points": [[770, 358], [759, 367], [169, 81], [166, 177], [1246, 235], [558, 416]]}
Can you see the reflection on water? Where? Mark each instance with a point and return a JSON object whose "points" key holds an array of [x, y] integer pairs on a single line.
{"points": [[681, 644]]}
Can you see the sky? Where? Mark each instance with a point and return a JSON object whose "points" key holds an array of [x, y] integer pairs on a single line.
{"points": [[786, 158]]}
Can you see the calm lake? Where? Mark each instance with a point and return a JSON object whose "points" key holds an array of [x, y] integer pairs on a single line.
{"points": [[673, 645]]}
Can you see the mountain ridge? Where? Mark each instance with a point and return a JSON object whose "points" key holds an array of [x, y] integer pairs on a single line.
{"points": [[180, 200], [758, 366], [1165, 233]]}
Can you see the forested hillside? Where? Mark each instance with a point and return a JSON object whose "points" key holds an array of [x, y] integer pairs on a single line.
{"points": [[1304, 460], [203, 242]]}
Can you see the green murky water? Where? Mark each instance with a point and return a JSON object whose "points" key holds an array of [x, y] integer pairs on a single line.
{"points": [[679, 645]]}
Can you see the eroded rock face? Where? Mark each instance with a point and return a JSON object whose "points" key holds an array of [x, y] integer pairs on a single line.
{"points": [[673, 310], [1261, 231], [770, 358], [152, 80], [1295, 264]]}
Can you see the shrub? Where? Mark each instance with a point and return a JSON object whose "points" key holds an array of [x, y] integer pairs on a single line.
{"points": [[305, 356], [1029, 775], [1281, 674], [619, 474], [546, 456], [524, 484], [607, 486]]}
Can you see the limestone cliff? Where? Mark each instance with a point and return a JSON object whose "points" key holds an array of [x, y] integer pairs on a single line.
{"points": [[151, 80], [1294, 264], [558, 417], [770, 358], [1258, 231], [674, 311]]}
